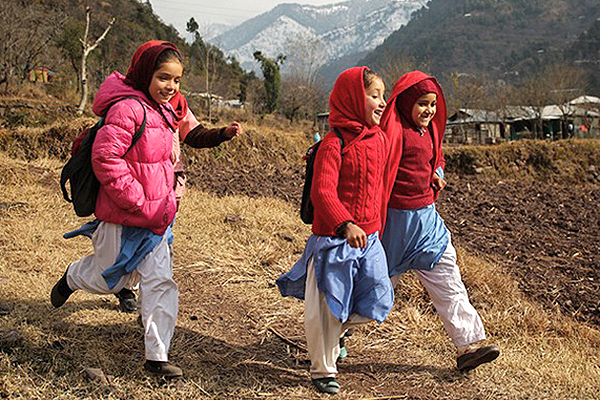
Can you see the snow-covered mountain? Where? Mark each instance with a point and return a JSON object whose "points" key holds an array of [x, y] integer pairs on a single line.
{"points": [[335, 30]]}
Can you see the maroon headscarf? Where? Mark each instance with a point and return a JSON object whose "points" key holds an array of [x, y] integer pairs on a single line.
{"points": [[143, 64], [408, 98]]}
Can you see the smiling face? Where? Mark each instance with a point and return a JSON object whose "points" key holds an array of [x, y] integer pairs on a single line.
{"points": [[424, 110], [165, 81], [375, 102]]}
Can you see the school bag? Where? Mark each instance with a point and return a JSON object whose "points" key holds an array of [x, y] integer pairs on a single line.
{"points": [[307, 210], [78, 170]]}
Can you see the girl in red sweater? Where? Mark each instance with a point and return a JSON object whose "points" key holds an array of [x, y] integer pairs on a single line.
{"points": [[415, 236], [342, 274]]}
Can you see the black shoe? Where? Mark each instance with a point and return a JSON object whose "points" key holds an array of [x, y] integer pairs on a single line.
{"points": [[127, 301], [163, 369], [475, 358], [326, 385], [343, 350], [61, 291]]}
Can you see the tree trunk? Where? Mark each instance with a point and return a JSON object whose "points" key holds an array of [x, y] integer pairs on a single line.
{"points": [[84, 85], [87, 49]]}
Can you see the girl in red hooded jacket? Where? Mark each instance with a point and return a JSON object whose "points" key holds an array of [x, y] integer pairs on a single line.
{"points": [[415, 236], [136, 201], [342, 274]]}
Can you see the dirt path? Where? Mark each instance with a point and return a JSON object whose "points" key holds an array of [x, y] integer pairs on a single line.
{"points": [[547, 235]]}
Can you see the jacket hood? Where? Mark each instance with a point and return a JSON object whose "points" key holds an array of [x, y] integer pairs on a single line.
{"points": [[112, 90]]}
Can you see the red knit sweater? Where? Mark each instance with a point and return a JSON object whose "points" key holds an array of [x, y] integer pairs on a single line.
{"points": [[349, 187]]}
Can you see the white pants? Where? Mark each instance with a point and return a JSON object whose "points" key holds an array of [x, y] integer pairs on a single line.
{"points": [[451, 301], [158, 295], [323, 330]]}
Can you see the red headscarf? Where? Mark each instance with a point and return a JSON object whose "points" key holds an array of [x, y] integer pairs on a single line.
{"points": [[142, 67], [347, 103]]}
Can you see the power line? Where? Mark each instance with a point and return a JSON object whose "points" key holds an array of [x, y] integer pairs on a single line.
{"points": [[168, 4]]}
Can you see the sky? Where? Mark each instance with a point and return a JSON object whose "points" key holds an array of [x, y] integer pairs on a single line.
{"points": [[205, 12]]}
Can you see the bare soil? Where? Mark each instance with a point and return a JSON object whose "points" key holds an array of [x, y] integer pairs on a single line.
{"points": [[545, 234]]}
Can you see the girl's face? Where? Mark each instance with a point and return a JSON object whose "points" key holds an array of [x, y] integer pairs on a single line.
{"points": [[165, 81], [424, 109], [375, 102]]}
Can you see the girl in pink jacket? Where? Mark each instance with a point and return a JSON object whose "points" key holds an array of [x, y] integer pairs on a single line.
{"points": [[136, 202]]}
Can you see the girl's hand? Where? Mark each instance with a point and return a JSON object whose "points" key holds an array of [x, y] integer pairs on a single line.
{"points": [[233, 130], [355, 236], [437, 183]]}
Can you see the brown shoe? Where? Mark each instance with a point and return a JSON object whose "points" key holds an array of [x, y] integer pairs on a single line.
{"points": [[163, 369], [61, 291], [475, 358]]}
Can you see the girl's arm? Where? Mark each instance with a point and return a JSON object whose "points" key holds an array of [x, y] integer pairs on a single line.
{"points": [[197, 136], [111, 143], [438, 182]]}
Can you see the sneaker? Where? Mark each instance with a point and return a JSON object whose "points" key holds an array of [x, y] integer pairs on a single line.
{"points": [[343, 351], [326, 385], [61, 291], [474, 358], [163, 369], [127, 300]]}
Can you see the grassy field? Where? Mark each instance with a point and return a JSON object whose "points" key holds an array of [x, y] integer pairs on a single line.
{"points": [[236, 337]]}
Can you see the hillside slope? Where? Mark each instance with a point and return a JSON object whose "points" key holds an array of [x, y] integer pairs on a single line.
{"points": [[498, 38]]}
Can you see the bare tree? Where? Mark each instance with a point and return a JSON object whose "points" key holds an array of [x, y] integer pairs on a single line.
{"points": [[207, 56], [535, 95], [301, 93], [87, 49], [567, 83], [25, 33], [555, 85], [391, 67]]}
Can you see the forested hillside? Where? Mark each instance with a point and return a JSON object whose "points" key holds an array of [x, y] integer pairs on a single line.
{"points": [[505, 39], [47, 33]]}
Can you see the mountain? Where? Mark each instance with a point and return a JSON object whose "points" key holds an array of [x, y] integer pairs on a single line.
{"points": [[499, 38], [338, 30]]}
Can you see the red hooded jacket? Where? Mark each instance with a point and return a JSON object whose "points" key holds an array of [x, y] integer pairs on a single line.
{"points": [[348, 186], [391, 123]]}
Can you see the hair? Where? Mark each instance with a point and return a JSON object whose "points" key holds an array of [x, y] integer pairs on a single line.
{"points": [[168, 56], [369, 77]]}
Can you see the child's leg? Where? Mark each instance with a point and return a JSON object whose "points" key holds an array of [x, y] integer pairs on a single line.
{"points": [[86, 273], [158, 301], [451, 301], [322, 329]]}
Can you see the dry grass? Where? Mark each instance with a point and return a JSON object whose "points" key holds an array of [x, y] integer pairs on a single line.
{"points": [[236, 337]]}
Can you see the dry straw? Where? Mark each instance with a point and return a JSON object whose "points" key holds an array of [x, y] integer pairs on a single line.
{"points": [[236, 337]]}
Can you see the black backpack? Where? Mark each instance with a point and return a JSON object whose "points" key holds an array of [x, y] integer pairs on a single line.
{"points": [[78, 170], [307, 210]]}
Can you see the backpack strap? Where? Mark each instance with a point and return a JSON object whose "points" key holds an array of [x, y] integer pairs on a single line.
{"points": [[339, 135], [138, 134]]}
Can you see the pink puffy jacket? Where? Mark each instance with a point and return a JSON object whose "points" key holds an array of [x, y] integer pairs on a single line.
{"points": [[136, 189]]}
